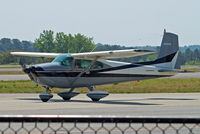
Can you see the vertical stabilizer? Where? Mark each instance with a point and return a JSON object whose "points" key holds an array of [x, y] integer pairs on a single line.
{"points": [[168, 51], [169, 44]]}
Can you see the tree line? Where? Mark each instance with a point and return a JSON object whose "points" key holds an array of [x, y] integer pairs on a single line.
{"points": [[63, 43], [59, 42], [48, 41]]}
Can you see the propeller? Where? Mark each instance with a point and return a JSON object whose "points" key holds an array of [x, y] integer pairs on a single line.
{"points": [[28, 70], [25, 69], [22, 64]]}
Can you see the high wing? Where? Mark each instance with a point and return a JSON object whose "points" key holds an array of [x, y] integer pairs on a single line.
{"points": [[36, 54], [112, 54]]}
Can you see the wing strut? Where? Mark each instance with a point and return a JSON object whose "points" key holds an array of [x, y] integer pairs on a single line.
{"points": [[94, 95], [81, 73]]}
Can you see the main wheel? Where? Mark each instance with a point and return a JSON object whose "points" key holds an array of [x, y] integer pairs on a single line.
{"points": [[67, 94], [97, 95], [95, 99], [44, 100], [66, 98], [45, 96]]}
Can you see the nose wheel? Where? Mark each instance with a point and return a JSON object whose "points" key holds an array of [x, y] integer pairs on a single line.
{"points": [[45, 96]]}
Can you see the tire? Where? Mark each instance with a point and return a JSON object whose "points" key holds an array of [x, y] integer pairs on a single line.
{"points": [[66, 99], [95, 100], [44, 100]]}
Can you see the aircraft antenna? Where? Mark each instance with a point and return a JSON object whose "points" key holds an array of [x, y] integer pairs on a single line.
{"points": [[94, 48], [80, 50]]}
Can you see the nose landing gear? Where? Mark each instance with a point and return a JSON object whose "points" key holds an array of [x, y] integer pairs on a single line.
{"points": [[45, 96]]}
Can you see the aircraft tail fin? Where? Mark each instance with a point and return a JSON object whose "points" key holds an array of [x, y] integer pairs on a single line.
{"points": [[169, 44], [168, 51]]}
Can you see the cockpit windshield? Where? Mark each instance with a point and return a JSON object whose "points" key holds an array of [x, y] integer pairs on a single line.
{"points": [[65, 60]]}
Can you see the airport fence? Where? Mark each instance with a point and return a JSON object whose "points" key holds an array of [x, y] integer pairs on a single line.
{"points": [[97, 125]]}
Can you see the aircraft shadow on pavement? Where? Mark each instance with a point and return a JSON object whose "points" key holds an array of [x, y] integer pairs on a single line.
{"points": [[117, 102], [107, 102]]}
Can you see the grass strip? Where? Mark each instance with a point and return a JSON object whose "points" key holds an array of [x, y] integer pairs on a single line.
{"points": [[145, 86], [11, 72]]}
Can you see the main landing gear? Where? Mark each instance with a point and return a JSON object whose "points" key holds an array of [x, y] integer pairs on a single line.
{"points": [[93, 95], [68, 94], [96, 95]]}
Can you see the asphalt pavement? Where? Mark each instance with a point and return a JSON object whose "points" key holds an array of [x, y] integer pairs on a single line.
{"points": [[151, 104]]}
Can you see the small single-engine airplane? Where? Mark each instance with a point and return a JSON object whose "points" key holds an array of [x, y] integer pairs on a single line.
{"points": [[93, 68]]}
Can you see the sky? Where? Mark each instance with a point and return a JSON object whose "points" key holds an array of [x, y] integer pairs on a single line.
{"points": [[122, 22]]}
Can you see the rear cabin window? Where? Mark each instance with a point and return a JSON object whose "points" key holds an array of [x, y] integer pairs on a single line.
{"points": [[81, 64]]}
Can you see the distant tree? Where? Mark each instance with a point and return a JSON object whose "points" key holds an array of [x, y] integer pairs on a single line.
{"points": [[180, 60], [196, 55], [1, 58], [6, 58], [45, 43], [188, 55], [82, 43], [63, 43], [16, 44], [28, 46], [6, 44]]}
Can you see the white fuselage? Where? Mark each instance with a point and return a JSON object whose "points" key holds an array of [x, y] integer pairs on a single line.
{"points": [[118, 72]]}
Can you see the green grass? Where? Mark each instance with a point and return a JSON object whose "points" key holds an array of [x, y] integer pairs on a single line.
{"points": [[11, 72], [10, 65], [15, 67], [145, 86], [191, 69]]}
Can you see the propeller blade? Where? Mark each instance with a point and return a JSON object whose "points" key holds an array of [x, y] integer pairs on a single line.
{"points": [[22, 64]]}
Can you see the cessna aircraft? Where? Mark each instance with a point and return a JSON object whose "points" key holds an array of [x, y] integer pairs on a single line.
{"points": [[73, 70]]}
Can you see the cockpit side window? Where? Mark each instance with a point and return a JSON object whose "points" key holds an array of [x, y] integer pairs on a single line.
{"points": [[67, 62]]}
